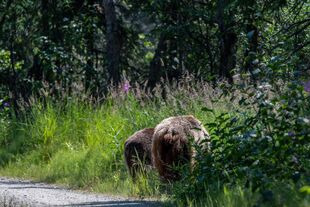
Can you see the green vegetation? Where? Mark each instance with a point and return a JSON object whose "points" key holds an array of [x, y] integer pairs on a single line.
{"points": [[80, 143], [78, 77], [259, 146]]}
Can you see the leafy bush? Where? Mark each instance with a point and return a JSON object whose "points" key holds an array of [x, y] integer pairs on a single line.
{"points": [[265, 142]]}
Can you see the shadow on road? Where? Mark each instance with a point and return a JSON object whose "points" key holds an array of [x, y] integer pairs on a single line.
{"points": [[27, 184], [35, 187], [119, 203], [13, 182]]}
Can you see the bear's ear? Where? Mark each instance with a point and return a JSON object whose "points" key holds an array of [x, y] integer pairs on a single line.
{"points": [[192, 119]]}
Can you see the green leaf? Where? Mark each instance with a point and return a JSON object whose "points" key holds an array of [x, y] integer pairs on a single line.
{"points": [[305, 189]]}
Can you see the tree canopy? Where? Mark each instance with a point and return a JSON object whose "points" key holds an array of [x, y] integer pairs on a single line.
{"points": [[91, 44]]}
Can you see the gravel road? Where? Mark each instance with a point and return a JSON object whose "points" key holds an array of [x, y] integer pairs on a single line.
{"points": [[29, 193]]}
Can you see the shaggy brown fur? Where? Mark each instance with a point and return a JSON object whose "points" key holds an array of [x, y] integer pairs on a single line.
{"points": [[137, 151], [171, 145]]}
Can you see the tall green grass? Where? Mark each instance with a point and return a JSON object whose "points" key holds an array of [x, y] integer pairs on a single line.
{"points": [[80, 143], [228, 197], [282, 194]]}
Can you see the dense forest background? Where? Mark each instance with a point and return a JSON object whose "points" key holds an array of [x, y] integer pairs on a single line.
{"points": [[91, 44], [77, 78]]}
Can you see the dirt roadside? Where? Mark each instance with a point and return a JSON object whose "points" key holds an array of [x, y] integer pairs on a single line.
{"points": [[29, 193]]}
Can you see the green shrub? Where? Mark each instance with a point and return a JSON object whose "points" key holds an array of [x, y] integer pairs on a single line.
{"points": [[265, 143]]}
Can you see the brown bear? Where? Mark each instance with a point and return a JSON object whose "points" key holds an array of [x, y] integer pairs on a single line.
{"points": [[137, 151], [171, 145]]}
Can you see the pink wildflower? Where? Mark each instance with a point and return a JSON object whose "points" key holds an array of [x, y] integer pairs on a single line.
{"points": [[126, 87]]}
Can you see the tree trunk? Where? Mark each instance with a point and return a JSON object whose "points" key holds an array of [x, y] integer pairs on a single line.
{"points": [[13, 82], [157, 63], [228, 55], [36, 71], [45, 17], [113, 42], [90, 72], [228, 40]]}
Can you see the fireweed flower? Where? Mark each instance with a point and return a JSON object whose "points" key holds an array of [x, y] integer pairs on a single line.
{"points": [[126, 87], [307, 86]]}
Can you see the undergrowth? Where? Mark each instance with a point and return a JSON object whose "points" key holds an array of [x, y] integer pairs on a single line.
{"points": [[79, 142]]}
